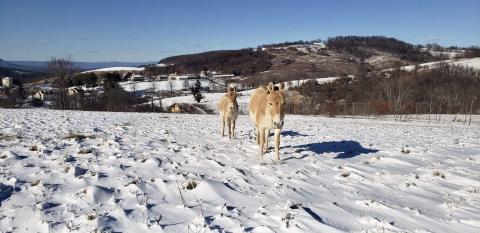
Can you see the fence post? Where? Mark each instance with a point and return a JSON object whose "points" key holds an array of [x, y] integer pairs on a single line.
{"points": [[416, 110], [429, 111], [353, 109], [471, 109], [439, 113], [368, 110], [337, 108]]}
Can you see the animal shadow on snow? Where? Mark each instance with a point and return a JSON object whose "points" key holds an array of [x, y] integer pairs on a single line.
{"points": [[6, 191], [346, 149], [292, 133]]}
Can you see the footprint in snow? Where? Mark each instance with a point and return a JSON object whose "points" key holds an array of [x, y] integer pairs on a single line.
{"points": [[80, 171]]}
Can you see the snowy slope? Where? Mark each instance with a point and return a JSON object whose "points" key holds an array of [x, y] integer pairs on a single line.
{"points": [[467, 62], [113, 69], [88, 171]]}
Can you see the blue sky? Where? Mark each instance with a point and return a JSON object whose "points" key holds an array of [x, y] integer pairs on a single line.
{"points": [[147, 30]]}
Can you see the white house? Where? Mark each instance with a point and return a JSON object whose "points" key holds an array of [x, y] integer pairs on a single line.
{"points": [[161, 77], [137, 77], [75, 91], [177, 77], [172, 76], [223, 76], [7, 81], [182, 77], [320, 45], [208, 73], [40, 95], [43, 94]]}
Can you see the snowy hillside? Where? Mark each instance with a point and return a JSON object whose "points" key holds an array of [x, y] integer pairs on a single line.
{"points": [[113, 69], [467, 62], [130, 172]]}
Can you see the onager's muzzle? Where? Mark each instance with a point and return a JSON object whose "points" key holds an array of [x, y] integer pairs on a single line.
{"points": [[278, 124]]}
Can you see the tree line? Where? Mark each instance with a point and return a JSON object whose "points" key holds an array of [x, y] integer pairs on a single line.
{"points": [[442, 89], [365, 46], [238, 62], [288, 43]]}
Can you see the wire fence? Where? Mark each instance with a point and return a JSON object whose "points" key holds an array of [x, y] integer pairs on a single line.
{"points": [[466, 113]]}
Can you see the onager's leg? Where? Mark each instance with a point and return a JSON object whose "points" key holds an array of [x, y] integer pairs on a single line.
{"points": [[262, 140], [277, 143], [233, 128], [267, 132], [229, 128], [223, 126], [257, 131]]}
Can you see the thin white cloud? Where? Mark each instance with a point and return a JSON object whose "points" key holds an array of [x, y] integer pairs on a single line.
{"points": [[92, 50]]}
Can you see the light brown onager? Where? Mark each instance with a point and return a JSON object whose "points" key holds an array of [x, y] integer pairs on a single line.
{"points": [[176, 108], [266, 109], [228, 108]]}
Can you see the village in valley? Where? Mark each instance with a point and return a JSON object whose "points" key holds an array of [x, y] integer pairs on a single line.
{"points": [[141, 82], [132, 79]]}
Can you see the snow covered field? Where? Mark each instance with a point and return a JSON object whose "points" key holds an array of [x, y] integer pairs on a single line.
{"points": [[210, 100], [132, 172], [473, 63], [177, 85]]}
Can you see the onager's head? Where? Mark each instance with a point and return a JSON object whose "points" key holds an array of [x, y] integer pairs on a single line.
{"points": [[276, 104], [232, 100]]}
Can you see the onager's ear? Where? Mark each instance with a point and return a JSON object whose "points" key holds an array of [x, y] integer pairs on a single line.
{"points": [[270, 87], [282, 86]]}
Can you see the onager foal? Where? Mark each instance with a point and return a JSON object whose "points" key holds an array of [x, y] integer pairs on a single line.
{"points": [[266, 109], [228, 108]]}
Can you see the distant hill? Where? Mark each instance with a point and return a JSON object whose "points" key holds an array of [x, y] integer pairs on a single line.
{"points": [[300, 59], [25, 74], [81, 66], [367, 46], [239, 62], [11, 66]]}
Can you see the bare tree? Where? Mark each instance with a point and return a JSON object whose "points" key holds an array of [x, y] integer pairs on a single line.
{"points": [[134, 87], [186, 84], [196, 91], [61, 69], [170, 85]]}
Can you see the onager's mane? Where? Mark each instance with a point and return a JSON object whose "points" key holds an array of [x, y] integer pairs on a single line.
{"points": [[232, 95]]}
